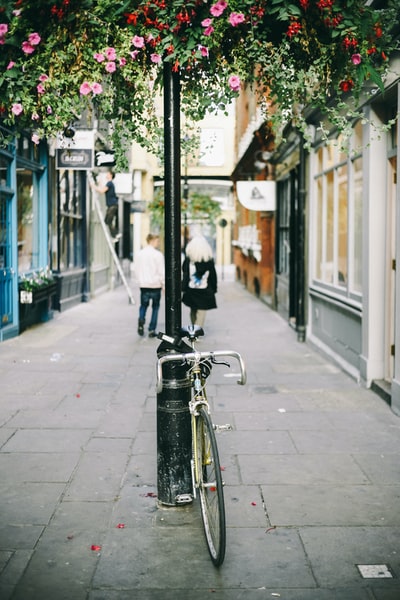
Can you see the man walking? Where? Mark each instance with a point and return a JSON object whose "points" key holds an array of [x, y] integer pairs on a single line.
{"points": [[149, 267]]}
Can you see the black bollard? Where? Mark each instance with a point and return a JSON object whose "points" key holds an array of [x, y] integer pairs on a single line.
{"points": [[174, 446]]}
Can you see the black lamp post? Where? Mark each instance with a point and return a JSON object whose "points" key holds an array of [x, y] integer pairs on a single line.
{"points": [[174, 447]]}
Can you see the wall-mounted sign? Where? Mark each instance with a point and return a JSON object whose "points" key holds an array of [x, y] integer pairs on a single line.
{"points": [[70, 158], [257, 195], [104, 158]]}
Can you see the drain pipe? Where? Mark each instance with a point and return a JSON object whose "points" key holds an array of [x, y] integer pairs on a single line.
{"points": [[300, 317]]}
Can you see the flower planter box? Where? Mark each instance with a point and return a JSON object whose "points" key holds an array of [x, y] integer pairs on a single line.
{"points": [[36, 306]]}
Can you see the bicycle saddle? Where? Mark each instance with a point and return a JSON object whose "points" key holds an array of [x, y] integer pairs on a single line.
{"points": [[192, 332]]}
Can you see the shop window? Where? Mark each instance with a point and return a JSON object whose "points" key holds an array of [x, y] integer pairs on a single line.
{"points": [[338, 208], [71, 221], [28, 221]]}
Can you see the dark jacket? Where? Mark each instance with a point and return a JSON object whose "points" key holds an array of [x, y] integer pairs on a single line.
{"points": [[199, 284]]}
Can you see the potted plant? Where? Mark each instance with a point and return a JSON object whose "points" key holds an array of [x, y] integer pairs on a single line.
{"points": [[36, 292]]}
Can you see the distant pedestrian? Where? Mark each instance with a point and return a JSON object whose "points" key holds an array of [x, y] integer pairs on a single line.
{"points": [[149, 267], [112, 205], [199, 282]]}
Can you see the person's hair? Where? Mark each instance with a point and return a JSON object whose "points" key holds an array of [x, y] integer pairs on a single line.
{"points": [[111, 173], [151, 236], [198, 249]]}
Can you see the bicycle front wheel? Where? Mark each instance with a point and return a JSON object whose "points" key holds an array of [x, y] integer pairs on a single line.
{"points": [[210, 484]]}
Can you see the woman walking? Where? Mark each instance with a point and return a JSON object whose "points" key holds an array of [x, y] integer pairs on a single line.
{"points": [[199, 283]]}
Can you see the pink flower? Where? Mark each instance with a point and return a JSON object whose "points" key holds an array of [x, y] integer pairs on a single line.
{"points": [[138, 41], [35, 138], [110, 54], [134, 54], [235, 19], [34, 39], [27, 48], [3, 29], [155, 58], [218, 8], [111, 67], [234, 83], [43, 77], [203, 50], [99, 57], [10, 65], [17, 109], [97, 88], [208, 30], [356, 59], [122, 61], [85, 88], [49, 110], [206, 22], [35, 116], [40, 88]]}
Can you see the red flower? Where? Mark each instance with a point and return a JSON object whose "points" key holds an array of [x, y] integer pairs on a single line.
{"points": [[293, 29], [131, 18], [347, 85], [378, 30], [304, 4]]}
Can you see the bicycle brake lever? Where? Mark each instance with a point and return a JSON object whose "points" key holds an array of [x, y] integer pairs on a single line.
{"points": [[219, 362]]}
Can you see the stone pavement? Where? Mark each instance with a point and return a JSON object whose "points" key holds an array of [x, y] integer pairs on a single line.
{"points": [[311, 467]]}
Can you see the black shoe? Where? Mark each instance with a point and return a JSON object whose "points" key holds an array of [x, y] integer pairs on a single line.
{"points": [[140, 328], [152, 334]]}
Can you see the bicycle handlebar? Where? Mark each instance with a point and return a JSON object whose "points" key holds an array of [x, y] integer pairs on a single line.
{"points": [[196, 358]]}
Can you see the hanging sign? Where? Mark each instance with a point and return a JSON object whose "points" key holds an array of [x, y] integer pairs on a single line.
{"points": [[257, 195], [75, 152]]}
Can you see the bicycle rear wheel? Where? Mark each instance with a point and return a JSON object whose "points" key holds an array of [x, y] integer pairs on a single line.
{"points": [[208, 472]]}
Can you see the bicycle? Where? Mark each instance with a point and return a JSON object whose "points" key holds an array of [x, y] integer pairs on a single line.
{"points": [[205, 465]]}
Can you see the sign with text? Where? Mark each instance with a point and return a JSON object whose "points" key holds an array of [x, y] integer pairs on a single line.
{"points": [[72, 158]]}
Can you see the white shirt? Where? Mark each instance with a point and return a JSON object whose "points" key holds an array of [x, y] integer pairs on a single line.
{"points": [[149, 267]]}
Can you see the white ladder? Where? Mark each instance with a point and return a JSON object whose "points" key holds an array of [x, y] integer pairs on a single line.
{"points": [[111, 244]]}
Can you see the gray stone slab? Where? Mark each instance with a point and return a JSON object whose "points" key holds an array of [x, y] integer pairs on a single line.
{"points": [[98, 477], [142, 470], [109, 444], [61, 567], [47, 440], [29, 503], [12, 571], [19, 537], [215, 593], [244, 506], [145, 443], [282, 419], [335, 551], [255, 442], [120, 421], [333, 398], [37, 467], [58, 418], [277, 554], [380, 468], [75, 516], [345, 442], [339, 505], [252, 402], [299, 469]]}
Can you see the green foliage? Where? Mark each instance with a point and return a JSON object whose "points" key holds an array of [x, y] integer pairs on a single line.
{"points": [[197, 208]]}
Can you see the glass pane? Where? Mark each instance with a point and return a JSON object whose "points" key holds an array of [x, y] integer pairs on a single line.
{"points": [[27, 216], [357, 226], [319, 230], [342, 228], [329, 259]]}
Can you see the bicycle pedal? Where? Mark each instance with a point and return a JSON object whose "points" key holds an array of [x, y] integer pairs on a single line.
{"points": [[219, 428], [184, 499]]}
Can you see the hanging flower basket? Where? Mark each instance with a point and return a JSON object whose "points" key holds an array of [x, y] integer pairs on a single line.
{"points": [[61, 57], [36, 298]]}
